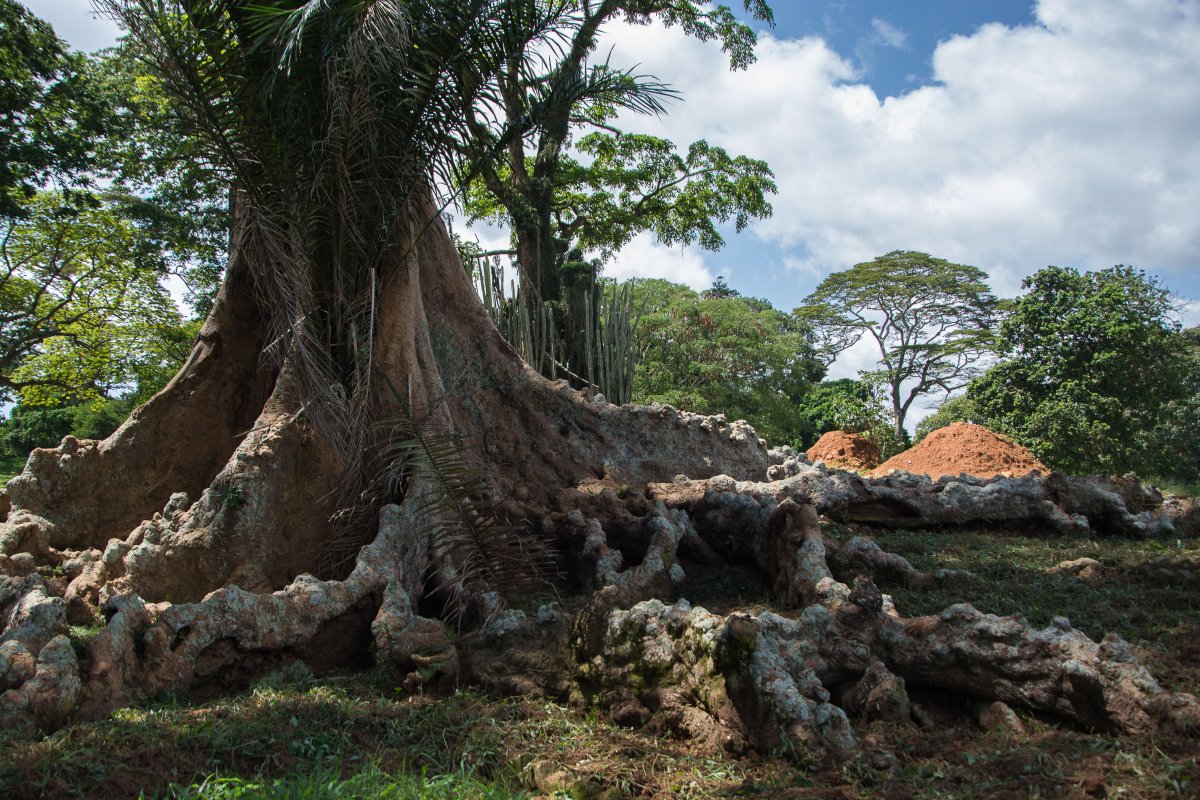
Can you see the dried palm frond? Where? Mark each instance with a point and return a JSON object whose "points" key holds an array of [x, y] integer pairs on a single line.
{"points": [[331, 116], [484, 549]]}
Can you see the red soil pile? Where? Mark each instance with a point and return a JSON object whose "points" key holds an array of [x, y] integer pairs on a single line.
{"points": [[845, 451], [964, 448]]}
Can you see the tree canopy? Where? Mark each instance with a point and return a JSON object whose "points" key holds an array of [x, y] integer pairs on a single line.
{"points": [[49, 118], [1091, 362], [80, 315], [724, 354], [931, 320], [630, 183], [83, 310], [160, 175]]}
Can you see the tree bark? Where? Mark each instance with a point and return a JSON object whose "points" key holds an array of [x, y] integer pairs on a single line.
{"points": [[196, 532]]}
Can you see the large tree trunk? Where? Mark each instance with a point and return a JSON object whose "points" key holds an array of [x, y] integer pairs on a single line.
{"points": [[197, 528], [81, 494]]}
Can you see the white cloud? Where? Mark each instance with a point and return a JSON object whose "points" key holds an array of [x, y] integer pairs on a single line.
{"points": [[1189, 313], [644, 257], [888, 34], [1071, 141]]}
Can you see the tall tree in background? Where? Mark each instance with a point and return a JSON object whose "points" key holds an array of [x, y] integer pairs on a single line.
{"points": [[1091, 362], [724, 353], [84, 315], [81, 317], [1175, 440], [49, 117], [564, 210], [160, 178], [931, 319]]}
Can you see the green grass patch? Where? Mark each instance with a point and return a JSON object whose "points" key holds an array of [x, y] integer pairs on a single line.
{"points": [[10, 466], [371, 783], [1147, 592]]}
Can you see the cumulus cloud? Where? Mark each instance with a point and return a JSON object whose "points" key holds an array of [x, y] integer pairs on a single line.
{"points": [[1189, 313], [1069, 141], [645, 257]]}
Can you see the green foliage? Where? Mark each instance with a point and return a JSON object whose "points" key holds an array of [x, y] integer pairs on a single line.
{"points": [[854, 406], [827, 406], [177, 199], [80, 315], [1175, 439], [635, 183], [28, 427], [10, 464], [96, 420], [1092, 361], [49, 115], [631, 183], [931, 319], [732, 355], [954, 409]]}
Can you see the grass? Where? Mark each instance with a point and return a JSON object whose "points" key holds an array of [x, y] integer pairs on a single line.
{"points": [[1186, 488], [371, 783], [296, 736], [1142, 594], [10, 466]]}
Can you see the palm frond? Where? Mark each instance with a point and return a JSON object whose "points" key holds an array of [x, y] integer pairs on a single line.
{"points": [[486, 550]]}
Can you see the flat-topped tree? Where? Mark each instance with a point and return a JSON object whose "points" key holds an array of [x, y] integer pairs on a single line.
{"points": [[931, 319]]}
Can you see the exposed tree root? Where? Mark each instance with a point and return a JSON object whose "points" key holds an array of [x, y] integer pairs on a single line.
{"points": [[1106, 506], [223, 575], [761, 680], [783, 675]]}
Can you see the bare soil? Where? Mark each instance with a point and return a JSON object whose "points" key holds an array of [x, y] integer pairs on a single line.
{"points": [[849, 451], [964, 448]]}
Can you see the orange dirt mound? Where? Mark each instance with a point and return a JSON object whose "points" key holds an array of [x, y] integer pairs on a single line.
{"points": [[845, 451], [963, 447]]}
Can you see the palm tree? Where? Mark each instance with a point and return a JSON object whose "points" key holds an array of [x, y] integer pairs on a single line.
{"points": [[346, 315]]}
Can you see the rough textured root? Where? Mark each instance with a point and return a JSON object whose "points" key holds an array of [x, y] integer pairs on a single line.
{"points": [[657, 576], [39, 673], [82, 493], [862, 555], [258, 526], [793, 683], [1063, 504], [148, 648]]}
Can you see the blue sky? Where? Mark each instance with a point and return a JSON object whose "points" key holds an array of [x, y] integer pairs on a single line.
{"points": [[1003, 134], [889, 42]]}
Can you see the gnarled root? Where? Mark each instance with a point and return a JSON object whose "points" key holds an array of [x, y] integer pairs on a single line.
{"points": [[793, 682], [148, 648], [1061, 503]]}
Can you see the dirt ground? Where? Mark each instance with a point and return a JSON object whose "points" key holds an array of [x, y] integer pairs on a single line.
{"points": [[849, 451], [964, 447]]}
